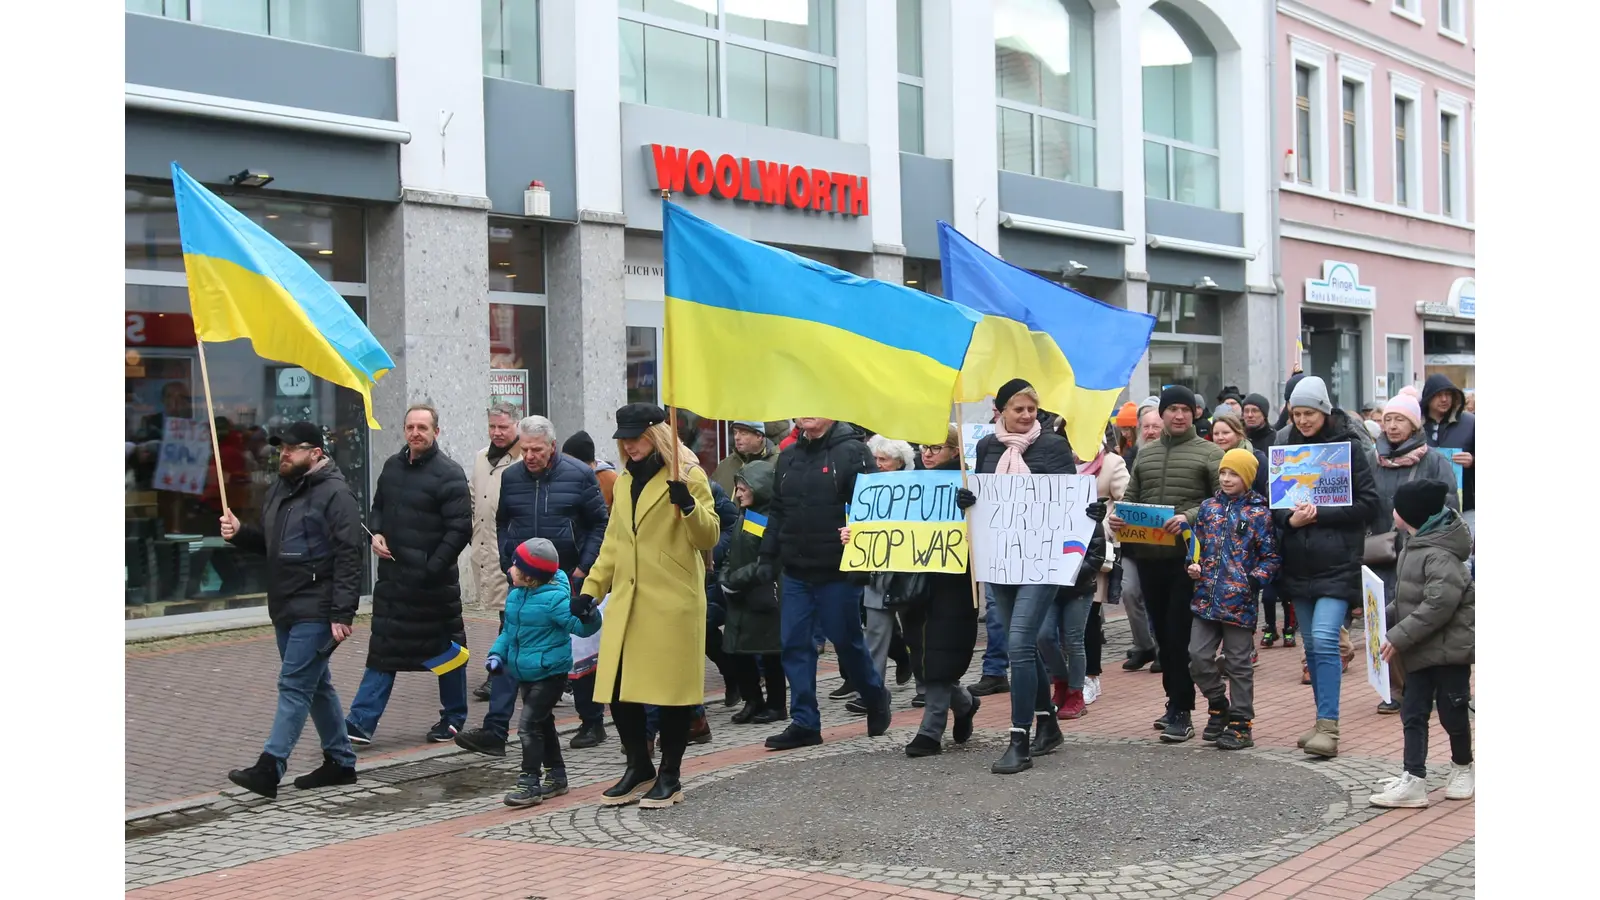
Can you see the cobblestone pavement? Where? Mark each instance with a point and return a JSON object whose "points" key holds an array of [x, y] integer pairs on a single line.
{"points": [[431, 823]]}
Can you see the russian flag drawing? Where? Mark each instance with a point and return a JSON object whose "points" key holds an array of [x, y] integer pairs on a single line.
{"points": [[1069, 547], [450, 660]]}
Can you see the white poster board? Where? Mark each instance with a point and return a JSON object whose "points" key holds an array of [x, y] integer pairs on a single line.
{"points": [[1030, 529], [1376, 620], [185, 456]]}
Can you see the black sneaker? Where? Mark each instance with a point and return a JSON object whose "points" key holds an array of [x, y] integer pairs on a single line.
{"points": [[356, 735], [879, 716], [1155, 667], [1236, 736], [442, 732], [479, 740], [922, 745], [730, 695], [793, 738], [329, 774], [1388, 709], [919, 701], [555, 784], [261, 778], [1165, 720], [482, 691], [990, 684], [1216, 721], [963, 724], [902, 673], [856, 707], [1138, 659], [588, 736], [1179, 729], [769, 715], [842, 692], [527, 792]]}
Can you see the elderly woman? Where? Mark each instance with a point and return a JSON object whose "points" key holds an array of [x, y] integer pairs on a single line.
{"points": [[653, 564], [885, 637]]}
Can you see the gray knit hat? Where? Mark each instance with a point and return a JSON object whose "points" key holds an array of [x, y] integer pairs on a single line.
{"points": [[1311, 393]]}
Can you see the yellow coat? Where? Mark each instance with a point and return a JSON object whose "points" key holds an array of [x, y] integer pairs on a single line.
{"points": [[655, 571]]}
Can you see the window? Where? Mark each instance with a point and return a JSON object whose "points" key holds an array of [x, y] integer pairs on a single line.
{"points": [[329, 23], [1399, 364], [1452, 155], [1408, 9], [1450, 15], [1403, 191], [1349, 151], [1447, 181], [1044, 82], [765, 64], [511, 40], [1179, 65], [516, 256], [908, 41], [1302, 123]]}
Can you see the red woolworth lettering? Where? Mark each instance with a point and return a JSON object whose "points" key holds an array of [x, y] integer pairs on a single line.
{"points": [[670, 163], [728, 181], [750, 193], [799, 187], [858, 197], [821, 190], [700, 172], [774, 182], [843, 183]]}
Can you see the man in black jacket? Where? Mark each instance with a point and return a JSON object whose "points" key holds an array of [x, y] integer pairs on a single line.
{"points": [[816, 479], [421, 521], [1448, 425], [310, 533]]}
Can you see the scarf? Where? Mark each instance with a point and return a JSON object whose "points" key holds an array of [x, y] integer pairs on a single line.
{"points": [[1092, 467], [1405, 459], [1011, 462], [496, 454], [642, 471]]}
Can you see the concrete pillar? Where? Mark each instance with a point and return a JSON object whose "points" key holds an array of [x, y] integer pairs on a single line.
{"points": [[588, 340], [1250, 338], [869, 105], [888, 264], [959, 111]]}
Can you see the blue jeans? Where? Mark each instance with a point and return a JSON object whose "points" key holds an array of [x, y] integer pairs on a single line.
{"points": [[1023, 609], [652, 719], [837, 606], [304, 688], [1061, 638], [372, 697], [995, 661], [1320, 620]]}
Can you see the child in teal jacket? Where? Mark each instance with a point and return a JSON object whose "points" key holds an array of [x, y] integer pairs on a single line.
{"points": [[535, 648]]}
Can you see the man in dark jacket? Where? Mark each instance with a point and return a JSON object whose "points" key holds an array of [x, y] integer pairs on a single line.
{"points": [[816, 479], [421, 521], [1258, 422], [1449, 425], [310, 533], [1180, 471], [750, 443]]}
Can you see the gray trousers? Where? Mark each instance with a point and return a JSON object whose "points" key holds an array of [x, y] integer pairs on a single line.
{"points": [[879, 633], [943, 697], [1237, 645], [1133, 602]]}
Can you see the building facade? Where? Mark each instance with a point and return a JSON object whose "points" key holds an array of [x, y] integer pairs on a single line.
{"points": [[481, 180], [1374, 112]]}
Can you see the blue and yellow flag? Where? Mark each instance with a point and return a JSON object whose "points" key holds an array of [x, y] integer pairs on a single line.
{"points": [[449, 660], [755, 523], [1077, 352], [754, 332], [244, 283]]}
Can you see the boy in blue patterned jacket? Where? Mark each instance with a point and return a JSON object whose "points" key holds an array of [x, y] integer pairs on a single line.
{"points": [[1239, 555]]}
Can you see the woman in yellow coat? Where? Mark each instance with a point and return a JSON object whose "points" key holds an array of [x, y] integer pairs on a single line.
{"points": [[653, 564]]}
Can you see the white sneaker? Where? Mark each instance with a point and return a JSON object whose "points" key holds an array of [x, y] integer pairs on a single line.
{"points": [[1460, 786], [1091, 689], [1406, 792]]}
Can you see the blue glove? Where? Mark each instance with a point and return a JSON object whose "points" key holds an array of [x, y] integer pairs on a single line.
{"points": [[494, 664]]}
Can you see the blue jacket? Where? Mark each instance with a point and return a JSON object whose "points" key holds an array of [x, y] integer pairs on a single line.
{"points": [[562, 504], [536, 642], [1238, 556]]}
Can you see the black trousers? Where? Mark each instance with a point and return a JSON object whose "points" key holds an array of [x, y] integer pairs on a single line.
{"points": [[1094, 640], [630, 721], [715, 654], [1451, 687], [899, 651], [749, 669], [1269, 609], [1167, 592]]}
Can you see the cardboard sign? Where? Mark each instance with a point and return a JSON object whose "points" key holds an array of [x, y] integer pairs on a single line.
{"points": [[1144, 524], [906, 522], [1376, 620], [971, 434], [185, 459], [1031, 529], [1318, 474]]}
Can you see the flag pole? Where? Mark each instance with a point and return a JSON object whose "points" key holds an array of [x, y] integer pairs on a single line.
{"points": [[211, 426], [672, 411], [961, 453]]}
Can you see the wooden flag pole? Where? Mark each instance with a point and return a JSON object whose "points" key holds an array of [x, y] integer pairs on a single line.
{"points": [[672, 411], [961, 453], [211, 426]]}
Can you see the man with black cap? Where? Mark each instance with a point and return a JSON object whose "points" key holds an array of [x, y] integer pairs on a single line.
{"points": [[310, 533], [750, 443], [1178, 470]]}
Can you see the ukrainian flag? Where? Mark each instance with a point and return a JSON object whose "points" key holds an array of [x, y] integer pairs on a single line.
{"points": [[453, 658], [1077, 352], [755, 523], [244, 283], [754, 332]]}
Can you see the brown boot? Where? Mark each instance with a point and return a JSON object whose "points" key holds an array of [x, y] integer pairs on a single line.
{"points": [[700, 730], [1324, 741]]}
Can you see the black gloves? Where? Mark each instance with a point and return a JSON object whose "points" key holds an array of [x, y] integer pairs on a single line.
{"points": [[765, 574], [680, 496], [581, 606], [965, 499]]}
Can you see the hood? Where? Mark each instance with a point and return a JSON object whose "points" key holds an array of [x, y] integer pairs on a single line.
{"points": [[1389, 450], [1449, 533], [1433, 386], [601, 465], [760, 475]]}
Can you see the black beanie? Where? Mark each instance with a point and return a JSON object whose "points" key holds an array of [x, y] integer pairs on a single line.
{"points": [[1259, 402], [580, 447], [1009, 390], [1288, 389], [1231, 391], [1176, 395], [1420, 500]]}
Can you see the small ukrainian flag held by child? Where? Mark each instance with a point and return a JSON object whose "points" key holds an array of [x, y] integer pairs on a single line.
{"points": [[448, 661]]}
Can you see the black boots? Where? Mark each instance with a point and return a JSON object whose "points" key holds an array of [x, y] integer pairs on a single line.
{"points": [[1046, 734], [963, 724], [1138, 659], [1216, 721], [587, 736], [261, 778], [1016, 758], [329, 774], [635, 781], [743, 716], [480, 740], [665, 792]]}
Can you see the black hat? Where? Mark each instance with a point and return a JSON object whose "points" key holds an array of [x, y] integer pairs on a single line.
{"points": [[580, 447], [1420, 500], [1008, 390], [635, 418], [1259, 402], [298, 433], [1176, 395], [1233, 392]]}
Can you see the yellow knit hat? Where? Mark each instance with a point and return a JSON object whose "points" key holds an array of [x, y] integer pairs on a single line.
{"points": [[1241, 461]]}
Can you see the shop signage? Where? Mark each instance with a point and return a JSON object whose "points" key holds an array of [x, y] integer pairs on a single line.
{"points": [[727, 177], [149, 329], [1461, 303], [1341, 286], [509, 386]]}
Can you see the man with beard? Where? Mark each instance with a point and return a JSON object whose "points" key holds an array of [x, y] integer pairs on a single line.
{"points": [[310, 533], [487, 467]]}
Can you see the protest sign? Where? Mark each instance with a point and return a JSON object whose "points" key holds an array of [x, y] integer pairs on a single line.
{"points": [[1460, 470], [971, 434], [1143, 523], [1031, 529], [1318, 474], [1377, 626], [185, 456], [906, 522]]}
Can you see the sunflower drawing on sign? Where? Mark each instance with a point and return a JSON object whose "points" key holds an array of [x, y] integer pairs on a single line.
{"points": [[1373, 616]]}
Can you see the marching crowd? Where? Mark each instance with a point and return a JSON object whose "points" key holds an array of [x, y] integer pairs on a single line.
{"points": [[616, 582]]}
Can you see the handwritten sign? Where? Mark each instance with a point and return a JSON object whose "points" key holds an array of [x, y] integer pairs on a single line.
{"points": [[971, 434], [185, 456], [906, 522], [1031, 529], [1144, 524], [1318, 474], [1377, 626]]}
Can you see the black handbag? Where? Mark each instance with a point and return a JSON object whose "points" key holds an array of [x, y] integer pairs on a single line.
{"points": [[905, 589]]}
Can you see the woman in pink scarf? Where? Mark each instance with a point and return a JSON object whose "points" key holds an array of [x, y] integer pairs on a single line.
{"points": [[1021, 445]]}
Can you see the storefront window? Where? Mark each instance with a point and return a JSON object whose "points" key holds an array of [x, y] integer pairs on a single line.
{"points": [[516, 256], [511, 40], [1179, 66], [1187, 312], [642, 360], [1196, 366], [328, 23], [924, 275], [1399, 370], [517, 360], [1332, 345]]}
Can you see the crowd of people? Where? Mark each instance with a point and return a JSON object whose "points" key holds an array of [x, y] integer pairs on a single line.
{"points": [[617, 582]]}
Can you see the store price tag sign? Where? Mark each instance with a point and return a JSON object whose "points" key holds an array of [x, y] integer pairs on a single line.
{"points": [[294, 382]]}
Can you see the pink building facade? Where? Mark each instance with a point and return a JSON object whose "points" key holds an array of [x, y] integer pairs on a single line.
{"points": [[1374, 126]]}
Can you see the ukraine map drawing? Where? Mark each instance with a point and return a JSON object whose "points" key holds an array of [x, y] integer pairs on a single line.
{"points": [[1318, 474]]}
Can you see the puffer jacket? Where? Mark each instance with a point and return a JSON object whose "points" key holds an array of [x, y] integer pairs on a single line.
{"points": [[561, 504], [1431, 619], [942, 632], [815, 479], [1179, 471], [1458, 431], [753, 623], [310, 533], [1238, 556], [536, 642], [1323, 559]]}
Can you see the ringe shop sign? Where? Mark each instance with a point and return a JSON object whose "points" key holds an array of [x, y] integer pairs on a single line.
{"points": [[1341, 286]]}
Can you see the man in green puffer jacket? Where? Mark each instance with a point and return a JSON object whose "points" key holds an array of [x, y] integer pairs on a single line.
{"points": [[1178, 470]]}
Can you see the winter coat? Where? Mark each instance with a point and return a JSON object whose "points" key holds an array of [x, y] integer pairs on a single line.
{"points": [[1111, 483], [942, 631], [536, 642], [1458, 431], [1179, 471], [310, 533], [652, 563], [728, 469], [815, 479], [606, 474], [1323, 559], [1432, 615], [1238, 556], [562, 504], [754, 623], [727, 520], [488, 576], [1049, 454], [1435, 466], [423, 509]]}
